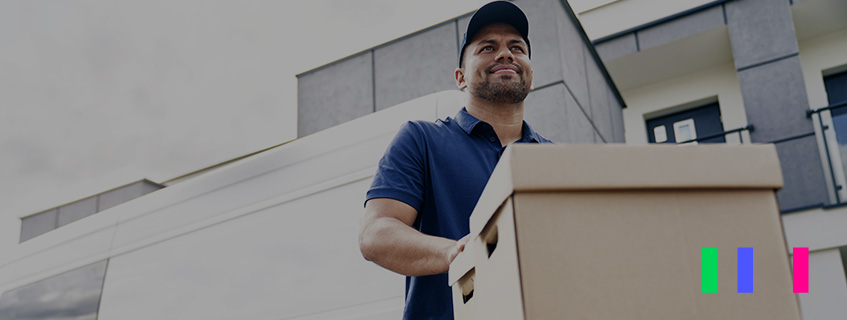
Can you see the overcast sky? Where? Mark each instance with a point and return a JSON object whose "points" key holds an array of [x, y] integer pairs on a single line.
{"points": [[96, 94]]}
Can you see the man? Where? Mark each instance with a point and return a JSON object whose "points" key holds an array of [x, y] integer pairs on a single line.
{"points": [[432, 174]]}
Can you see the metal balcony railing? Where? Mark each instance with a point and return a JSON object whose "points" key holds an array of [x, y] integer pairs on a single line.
{"points": [[749, 128], [832, 121]]}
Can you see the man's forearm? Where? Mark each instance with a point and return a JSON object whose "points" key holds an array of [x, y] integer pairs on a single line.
{"points": [[395, 246]]}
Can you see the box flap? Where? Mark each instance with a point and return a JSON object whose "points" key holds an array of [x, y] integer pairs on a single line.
{"points": [[461, 264]]}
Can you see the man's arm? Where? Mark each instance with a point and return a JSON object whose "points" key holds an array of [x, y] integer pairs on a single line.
{"points": [[387, 238]]}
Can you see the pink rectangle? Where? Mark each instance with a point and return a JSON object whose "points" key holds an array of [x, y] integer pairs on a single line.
{"points": [[800, 261]]}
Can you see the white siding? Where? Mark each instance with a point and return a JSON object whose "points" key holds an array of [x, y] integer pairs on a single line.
{"points": [[273, 236]]}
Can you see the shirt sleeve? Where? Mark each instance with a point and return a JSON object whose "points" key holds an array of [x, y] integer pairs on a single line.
{"points": [[400, 174]]}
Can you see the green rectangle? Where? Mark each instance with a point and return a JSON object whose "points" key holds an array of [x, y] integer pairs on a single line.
{"points": [[709, 271]]}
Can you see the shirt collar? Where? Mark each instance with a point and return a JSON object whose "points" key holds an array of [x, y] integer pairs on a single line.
{"points": [[468, 122], [529, 135]]}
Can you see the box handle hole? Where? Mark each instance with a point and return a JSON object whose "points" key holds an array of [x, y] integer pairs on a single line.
{"points": [[466, 283], [490, 238]]}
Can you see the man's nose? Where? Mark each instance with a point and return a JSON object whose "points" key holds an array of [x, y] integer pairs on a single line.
{"points": [[505, 54]]}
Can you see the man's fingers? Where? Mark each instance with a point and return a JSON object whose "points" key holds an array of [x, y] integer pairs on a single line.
{"points": [[460, 247], [453, 253], [462, 242]]}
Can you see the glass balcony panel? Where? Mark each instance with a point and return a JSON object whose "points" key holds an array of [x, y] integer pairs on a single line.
{"points": [[73, 295]]}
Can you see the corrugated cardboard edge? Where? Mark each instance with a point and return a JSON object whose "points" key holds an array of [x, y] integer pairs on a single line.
{"points": [[593, 167], [534, 167], [494, 193]]}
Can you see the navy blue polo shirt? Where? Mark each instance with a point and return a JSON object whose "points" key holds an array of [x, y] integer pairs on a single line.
{"points": [[439, 168]]}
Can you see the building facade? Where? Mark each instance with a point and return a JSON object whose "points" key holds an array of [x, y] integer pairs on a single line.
{"points": [[761, 71], [705, 71], [273, 235], [574, 100]]}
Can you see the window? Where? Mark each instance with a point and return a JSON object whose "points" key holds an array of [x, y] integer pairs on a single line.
{"points": [[836, 87], [836, 91], [687, 125], [843, 251], [73, 295]]}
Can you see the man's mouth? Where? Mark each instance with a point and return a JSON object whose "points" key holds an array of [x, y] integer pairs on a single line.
{"points": [[503, 68]]}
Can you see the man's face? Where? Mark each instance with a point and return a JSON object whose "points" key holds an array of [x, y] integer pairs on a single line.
{"points": [[496, 65]]}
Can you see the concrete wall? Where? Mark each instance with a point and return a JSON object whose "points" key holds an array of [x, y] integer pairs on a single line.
{"points": [[822, 231], [662, 33], [335, 94], [272, 236], [571, 86], [768, 73], [415, 66], [765, 51], [718, 83], [827, 287], [48, 220], [604, 18], [767, 80]]}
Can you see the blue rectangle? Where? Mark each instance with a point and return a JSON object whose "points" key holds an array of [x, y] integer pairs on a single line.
{"points": [[745, 270]]}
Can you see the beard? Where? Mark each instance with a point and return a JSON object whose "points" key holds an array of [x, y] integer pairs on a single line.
{"points": [[501, 91]]}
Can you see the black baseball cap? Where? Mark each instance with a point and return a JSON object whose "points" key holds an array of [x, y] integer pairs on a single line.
{"points": [[495, 12]]}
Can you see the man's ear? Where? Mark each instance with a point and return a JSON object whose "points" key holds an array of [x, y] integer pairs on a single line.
{"points": [[460, 79]]}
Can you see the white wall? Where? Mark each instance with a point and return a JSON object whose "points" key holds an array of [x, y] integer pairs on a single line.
{"points": [[720, 82], [827, 288], [95, 94], [269, 237], [818, 55]]}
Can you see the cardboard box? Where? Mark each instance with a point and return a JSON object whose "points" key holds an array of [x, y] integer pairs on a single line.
{"points": [[616, 231]]}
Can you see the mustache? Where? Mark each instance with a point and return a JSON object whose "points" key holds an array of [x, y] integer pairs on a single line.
{"points": [[498, 64]]}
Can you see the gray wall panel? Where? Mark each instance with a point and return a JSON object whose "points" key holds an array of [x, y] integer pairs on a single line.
{"points": [[123, 194], [573, 55], [334, 94], [415, 66], [462, 24], [38, 224], [74, 211], [802, 173], [680, 28], [553, 112], [424, 63], [543, 39], [617, 47], [599, 103], [775, 100], [616, 113], [760, 30]]}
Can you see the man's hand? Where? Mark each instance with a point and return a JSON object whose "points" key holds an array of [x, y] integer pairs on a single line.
{"points": [[388, 239], [459, 247]]}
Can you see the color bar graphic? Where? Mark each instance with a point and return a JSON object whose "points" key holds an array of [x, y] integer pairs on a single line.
{"points": [[709, 269], [800, 260], [745, 270]]}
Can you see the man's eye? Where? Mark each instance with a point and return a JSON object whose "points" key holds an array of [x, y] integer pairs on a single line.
{"points": [[517, 48], [486, 48]]}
